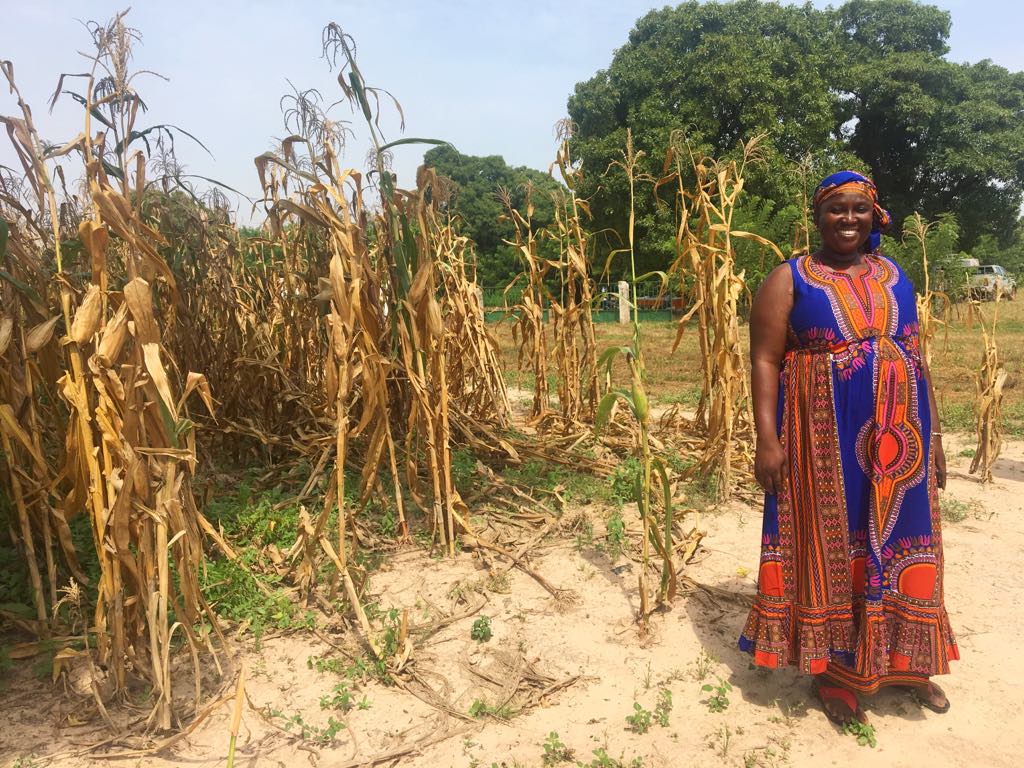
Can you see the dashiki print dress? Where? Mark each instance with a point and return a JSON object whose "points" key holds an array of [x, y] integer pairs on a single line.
{"points": [[850, 579]]}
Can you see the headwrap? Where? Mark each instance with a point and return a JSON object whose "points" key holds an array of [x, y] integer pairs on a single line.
{"points": [[851, 181]]}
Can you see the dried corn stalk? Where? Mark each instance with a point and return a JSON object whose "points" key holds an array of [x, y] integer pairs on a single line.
{"points": [[398, 300], [705, 256], [575, 344], [988, 399], [917, 228], [529, 328], [128, 448]]}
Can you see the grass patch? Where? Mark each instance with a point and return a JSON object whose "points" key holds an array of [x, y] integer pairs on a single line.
{"points": [[957, 416], [576, 487], [688, 397], [953, 510], [255, 521]]}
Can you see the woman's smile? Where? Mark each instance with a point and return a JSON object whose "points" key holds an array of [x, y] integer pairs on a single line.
{"points": [[845, 222]]}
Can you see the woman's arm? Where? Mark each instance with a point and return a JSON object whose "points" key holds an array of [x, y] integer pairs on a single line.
{"points": [[936, 436], [769, 321]]}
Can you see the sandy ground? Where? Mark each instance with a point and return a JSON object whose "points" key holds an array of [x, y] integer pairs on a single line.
{"points": [[580, 665]]}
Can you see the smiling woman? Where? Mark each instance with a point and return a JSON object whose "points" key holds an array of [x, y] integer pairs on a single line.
{"points": [[850, 586]]}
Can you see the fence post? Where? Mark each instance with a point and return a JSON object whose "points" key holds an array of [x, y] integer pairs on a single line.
{"points": [[623, 302]]}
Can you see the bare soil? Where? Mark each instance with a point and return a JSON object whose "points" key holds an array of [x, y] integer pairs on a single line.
{"points": [[576, 663]]}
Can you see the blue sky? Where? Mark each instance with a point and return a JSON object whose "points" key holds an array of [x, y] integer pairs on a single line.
{"points": [[492, 78]]}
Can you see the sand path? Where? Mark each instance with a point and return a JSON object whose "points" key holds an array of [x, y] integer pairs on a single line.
{"points": [[771, 719]]}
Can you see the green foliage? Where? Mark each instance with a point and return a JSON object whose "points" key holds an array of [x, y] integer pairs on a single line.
{"points": [[863, 86], [701, 667], [624, 480], [942, 242], [616, 533], [555, 750], [340, 698], [864, 732], [320, 735], [234, 592], [696, 67], [664, 707], [574, 486], [640, 720], [718, 701], [256, 520], [953, 510], [480, 708], [602, 759], [463, 469], [481, 631]]}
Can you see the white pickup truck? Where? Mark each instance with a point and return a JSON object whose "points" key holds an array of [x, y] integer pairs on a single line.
{"points": [[989, 281]]}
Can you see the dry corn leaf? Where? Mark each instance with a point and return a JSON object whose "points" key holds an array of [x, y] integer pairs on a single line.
{"points": [[95, 237], [155, 368]]}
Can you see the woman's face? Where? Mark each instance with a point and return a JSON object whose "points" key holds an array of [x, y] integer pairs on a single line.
{"points": [[844, 221]]}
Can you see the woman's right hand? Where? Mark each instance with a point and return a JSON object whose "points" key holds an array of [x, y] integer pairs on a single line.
{"points": [[770, 465]]}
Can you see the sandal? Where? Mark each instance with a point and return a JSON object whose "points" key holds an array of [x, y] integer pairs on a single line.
{"points": [[829, 695], [923, 698]]}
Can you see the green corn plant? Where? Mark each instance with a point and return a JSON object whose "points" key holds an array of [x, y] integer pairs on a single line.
{"points": [[636, 400]]}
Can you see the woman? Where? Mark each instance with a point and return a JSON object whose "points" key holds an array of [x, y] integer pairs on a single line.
{"points": [[849, 452]]}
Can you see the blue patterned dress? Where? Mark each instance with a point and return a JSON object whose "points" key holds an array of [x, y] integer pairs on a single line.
{"points": [[850, 580]]}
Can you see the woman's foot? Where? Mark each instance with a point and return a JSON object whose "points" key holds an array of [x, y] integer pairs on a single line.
{"points": [[840, 705], [930, 696]]}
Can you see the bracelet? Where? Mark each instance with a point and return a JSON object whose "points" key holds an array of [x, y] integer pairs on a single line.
{"points": [[936, 434]]}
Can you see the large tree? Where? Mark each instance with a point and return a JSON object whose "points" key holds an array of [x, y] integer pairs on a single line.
{"points": [[482, 212], [720, 73], [938, 137], [863, 86]]}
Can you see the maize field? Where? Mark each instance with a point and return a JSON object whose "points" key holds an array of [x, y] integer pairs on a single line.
{"points": [[149, 350]]}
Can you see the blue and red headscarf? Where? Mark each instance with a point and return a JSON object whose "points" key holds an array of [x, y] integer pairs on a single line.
{"points": [[851, 181]]}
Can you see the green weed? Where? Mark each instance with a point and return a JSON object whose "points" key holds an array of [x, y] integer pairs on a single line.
{"points": [[320, 735], [573, 486], [480, 708], [701, 667], [602, 759], [615, 534], [340, 698], [555, 751], [957, 417], [720, 741], [864, 732], [688, 396], [584, 534], [624, 481], [953, 510], [481, 631], [718, 701], [640, 720], [324, 664], [463, 469], [664, 707]]}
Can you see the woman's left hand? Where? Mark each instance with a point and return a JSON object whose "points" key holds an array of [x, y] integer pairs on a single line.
{"points": [[940, 462]]}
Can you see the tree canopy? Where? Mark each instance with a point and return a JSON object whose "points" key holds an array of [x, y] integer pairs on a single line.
{"points": [[864, 86]]}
